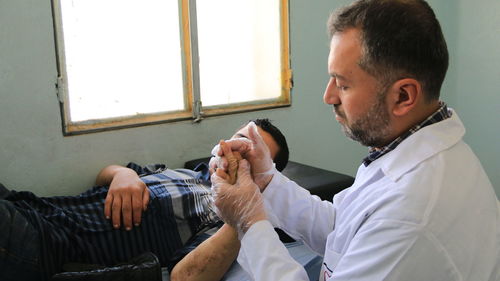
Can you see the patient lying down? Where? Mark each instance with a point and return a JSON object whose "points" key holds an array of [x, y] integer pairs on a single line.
{"points": [[212, 258], [41, 234]]}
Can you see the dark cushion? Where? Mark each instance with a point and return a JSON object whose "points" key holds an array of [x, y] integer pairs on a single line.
{"points": [[320, 182]]}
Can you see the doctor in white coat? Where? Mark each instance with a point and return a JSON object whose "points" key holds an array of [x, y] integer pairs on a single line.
{"points": [[421, 207]]}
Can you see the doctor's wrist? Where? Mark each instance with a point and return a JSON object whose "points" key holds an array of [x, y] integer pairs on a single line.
{"points": [[263, 179], [244, 227]]}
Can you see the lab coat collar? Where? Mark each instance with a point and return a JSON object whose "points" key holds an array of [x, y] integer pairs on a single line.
{"points": [[422, 145]]}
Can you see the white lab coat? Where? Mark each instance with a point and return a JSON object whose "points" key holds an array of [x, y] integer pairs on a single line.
{"points": [[425, 211]]}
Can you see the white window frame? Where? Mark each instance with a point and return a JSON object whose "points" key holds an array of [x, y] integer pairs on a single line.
{"points": [[193, 107]]}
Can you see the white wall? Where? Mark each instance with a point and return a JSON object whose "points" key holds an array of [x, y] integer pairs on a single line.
{"points": [[36, 156]]}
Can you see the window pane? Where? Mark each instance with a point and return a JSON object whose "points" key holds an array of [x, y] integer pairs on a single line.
{"points": [[239, 50], [123, 57]]}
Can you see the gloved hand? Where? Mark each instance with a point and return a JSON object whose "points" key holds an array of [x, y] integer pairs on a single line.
{"points": [[239, 205], [240, 145], [253, 149]]}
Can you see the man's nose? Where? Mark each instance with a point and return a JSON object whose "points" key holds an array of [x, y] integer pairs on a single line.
{"points": [[331, 93]]}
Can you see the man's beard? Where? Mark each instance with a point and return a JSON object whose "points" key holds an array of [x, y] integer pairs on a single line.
{"points": [[371, 129]]}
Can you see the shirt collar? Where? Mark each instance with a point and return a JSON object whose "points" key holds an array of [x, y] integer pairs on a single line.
{"points": [[441, 114]]}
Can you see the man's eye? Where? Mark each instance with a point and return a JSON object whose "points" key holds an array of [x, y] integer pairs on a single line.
{"points": [[342, 88]]}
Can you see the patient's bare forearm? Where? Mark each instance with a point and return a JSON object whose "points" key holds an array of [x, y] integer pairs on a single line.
{"points": [[211, 259]]}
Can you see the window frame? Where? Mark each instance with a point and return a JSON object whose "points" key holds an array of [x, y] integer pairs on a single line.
{"points": [[193, 105]]}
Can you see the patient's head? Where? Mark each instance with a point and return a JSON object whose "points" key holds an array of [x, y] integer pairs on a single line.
{"points": [[274, 139]]}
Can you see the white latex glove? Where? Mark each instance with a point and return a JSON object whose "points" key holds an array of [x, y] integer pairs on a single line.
{"points": [[218, 161], [239, 205], [253, 149], [259, 156]]}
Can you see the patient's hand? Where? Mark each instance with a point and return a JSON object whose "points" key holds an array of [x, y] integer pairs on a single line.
{"points": [[233, 158], [218, 161], [254, 149], [127, 197]]}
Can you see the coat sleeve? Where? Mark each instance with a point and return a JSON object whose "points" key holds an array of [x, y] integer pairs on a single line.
{"points": [[264, 257], [302, 215], [391, 251]]}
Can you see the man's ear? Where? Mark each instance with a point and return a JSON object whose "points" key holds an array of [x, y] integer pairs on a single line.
{"points": [[403, 96]]}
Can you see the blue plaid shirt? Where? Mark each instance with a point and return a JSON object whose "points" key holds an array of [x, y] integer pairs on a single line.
{"points": [[375, 153], [74, 229]]}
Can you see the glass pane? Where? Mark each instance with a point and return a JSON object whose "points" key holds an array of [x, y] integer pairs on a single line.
{"points": [[123, 57], [239, 50]]}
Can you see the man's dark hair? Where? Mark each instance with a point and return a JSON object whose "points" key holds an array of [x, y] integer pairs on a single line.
{"points": [[281, 159], [400, 39]]}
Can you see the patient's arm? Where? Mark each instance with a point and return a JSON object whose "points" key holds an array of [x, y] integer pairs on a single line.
{"points": [[127, 196], [211, 259]]}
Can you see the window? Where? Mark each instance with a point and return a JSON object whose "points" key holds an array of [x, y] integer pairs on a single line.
{"points": [[126, 63]]}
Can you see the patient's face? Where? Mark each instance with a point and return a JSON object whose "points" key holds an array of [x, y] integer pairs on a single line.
{"points": [[268, 139]]}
